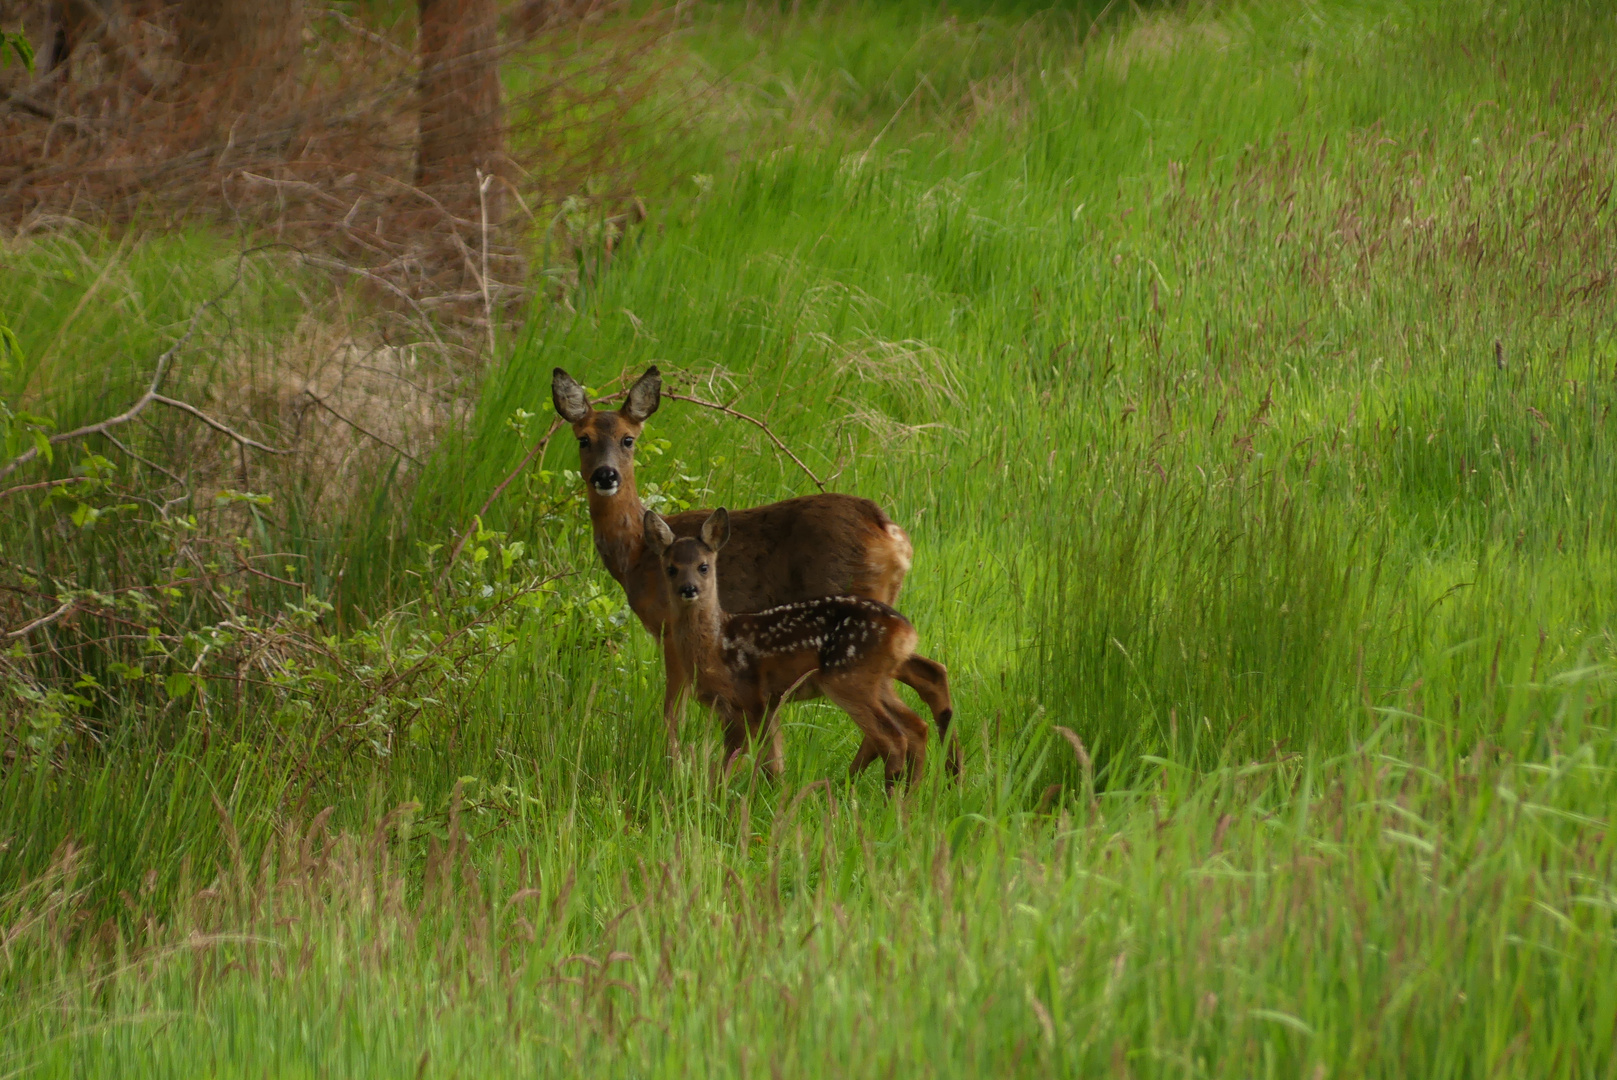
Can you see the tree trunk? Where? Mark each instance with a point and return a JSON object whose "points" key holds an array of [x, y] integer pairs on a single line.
{"points": [[240, 52], [462, 124]]}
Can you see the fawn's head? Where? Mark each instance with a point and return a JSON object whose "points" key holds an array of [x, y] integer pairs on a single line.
{"points": [[690, 564], [606, 438]]}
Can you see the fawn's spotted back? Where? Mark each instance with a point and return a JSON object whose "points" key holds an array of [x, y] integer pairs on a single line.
{"points": [[841, 629], [847, 647]]}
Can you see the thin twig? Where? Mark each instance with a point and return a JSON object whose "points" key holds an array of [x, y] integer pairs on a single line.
{"points": [[20, 488], [221, 428], [128, 414], [334, 264], [43, 620], [113, 439], [242, 561], [483, 181], [302, 185], [376, 39], [320, 401], [755, 422], [153, 394], [538, 448]]}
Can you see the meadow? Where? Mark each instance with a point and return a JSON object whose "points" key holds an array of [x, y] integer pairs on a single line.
{"points": [[1243, 375]]}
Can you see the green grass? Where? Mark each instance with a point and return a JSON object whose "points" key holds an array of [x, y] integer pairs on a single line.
{"points": [[1175, 345]]}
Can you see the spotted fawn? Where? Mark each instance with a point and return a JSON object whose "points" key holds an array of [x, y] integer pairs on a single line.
{"points": [[848, 648]]}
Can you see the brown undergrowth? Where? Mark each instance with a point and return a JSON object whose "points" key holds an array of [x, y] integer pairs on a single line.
{"points": [[321, 154]]}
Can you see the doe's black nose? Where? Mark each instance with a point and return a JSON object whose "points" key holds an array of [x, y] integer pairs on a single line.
{"points": [[688, 591], [605, 479]]}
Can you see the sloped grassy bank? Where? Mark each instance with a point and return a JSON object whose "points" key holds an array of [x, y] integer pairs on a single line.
{"points": [[1244, 380]]}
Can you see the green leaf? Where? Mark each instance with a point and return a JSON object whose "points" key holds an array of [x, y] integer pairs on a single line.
{"points": [[10, 347], [177, 685], [13, 42]]}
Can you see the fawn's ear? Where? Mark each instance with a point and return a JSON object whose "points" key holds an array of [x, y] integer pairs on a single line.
{"points": [[644, 396], [716, 529], [658, 535], [572, 404]]}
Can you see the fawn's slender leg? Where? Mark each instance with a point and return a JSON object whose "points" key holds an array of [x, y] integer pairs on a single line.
{"points": [[930, 680], [775, 754], [762, 732], [736, 726], [914, 728], [855, 697], [869, 750]]}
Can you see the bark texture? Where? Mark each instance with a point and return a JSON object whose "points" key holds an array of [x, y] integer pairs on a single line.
{"points": [[240, 51], [462, 119]]}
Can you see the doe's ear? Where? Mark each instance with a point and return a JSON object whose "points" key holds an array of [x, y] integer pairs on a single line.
{"points": [[572, 404], [659, 537], [644, 396], [716, 529]]}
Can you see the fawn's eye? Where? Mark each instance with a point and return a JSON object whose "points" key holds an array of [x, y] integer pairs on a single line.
{"points": [[583, 442], [702, 569], [628, 440], [673, 571]]}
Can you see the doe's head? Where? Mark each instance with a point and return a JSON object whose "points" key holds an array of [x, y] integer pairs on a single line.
{"points": [[690, 564], [606, 437]]}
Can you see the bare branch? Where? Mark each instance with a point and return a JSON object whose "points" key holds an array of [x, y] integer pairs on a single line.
{"points": [[115, 441], [245, 565], [122, 418], [223, 429], [359, 271], [374, 38], [296, 185], [320, 401], [152, 394], [43, 620], [20, 488], [538, 448], [755, 422]]}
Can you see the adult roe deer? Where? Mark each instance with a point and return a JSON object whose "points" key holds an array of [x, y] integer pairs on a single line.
{"points": [[744, 664], [782, 553]]}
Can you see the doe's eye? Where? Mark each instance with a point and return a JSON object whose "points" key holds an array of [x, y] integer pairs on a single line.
{"points": [[702, 568], [673, 571], [583, 442], [628, 440]]}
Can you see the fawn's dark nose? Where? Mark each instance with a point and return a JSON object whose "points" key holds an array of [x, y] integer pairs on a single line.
{"points": [[688, 592], [605, 480]]}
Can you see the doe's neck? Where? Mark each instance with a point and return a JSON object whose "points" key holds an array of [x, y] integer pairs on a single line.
{"points": [[618, 524]]}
